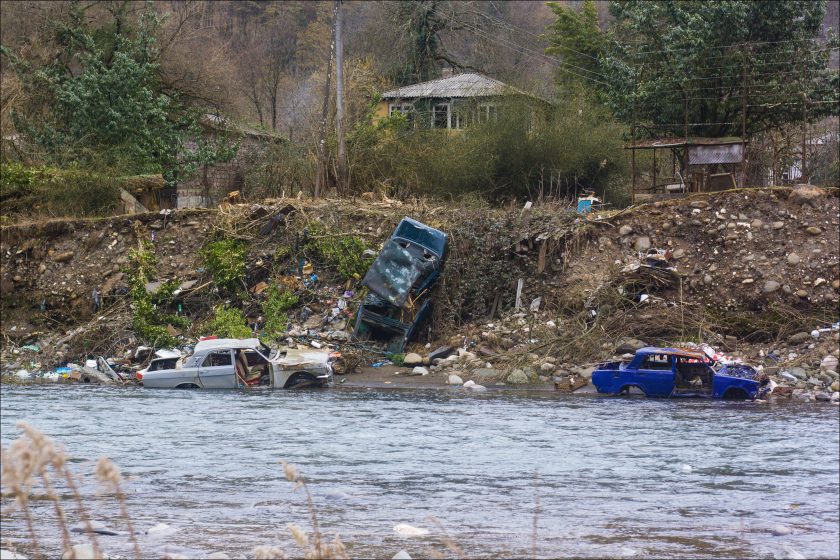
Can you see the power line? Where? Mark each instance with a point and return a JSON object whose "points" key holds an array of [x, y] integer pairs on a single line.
{"points": [[742, 44], [522, 50]]}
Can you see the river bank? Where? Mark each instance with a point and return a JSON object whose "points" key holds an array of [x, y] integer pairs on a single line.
{"points": [[753, 273]]}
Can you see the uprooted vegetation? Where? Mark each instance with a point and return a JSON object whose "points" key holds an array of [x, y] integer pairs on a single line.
{"points": [[754, 265]]}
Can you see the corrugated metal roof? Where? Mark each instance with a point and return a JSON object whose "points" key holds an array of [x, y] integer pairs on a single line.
{"points": [[460, 85]]}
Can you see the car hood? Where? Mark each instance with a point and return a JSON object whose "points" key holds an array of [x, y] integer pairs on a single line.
{"points": [[302, 358]]}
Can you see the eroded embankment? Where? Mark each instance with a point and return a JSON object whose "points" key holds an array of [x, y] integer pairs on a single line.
{"points": [[751, 269]]}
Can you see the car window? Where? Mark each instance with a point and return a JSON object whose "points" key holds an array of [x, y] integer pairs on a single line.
{"points": [[220, 358], [657, 361]]}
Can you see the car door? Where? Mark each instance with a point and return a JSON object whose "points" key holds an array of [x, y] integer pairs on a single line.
{"points": [[217, 371], [656, 375]]}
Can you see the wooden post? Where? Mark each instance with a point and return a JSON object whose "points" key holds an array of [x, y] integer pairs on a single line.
{"points": [[654, 169], [633, 164]]}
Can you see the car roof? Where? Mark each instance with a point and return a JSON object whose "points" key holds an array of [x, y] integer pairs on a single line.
{"points": [[226, 344], [682, 352]]}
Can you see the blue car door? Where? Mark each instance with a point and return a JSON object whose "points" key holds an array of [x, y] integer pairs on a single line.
{"points": [[656, 375]]}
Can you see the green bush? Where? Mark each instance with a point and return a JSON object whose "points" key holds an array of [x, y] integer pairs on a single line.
{"points": [[225, 261], [150, 311], [531, 148], [275, 308], [344, 252], [227, 322]]}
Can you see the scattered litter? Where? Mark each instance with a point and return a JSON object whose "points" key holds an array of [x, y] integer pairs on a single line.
{"points": [[410, 531]]}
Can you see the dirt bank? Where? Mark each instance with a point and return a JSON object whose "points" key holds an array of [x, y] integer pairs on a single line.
{"points": [[752, 272]]}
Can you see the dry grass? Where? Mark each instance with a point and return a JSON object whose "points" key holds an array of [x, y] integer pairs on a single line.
{"points": [[32, 461]]}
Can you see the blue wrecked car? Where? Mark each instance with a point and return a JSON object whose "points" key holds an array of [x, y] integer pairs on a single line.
{"points": [[678, 372], [400, 281]]}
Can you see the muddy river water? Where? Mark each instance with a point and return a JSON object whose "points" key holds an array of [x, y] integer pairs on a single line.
{"points": [[613, 477]]}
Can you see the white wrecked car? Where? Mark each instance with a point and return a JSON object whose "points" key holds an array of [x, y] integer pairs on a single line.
{"points": [[230, 363]]}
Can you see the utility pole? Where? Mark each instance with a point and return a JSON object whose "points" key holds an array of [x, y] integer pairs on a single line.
{"points": [[339, 98], [321, 171], [744, 117]]}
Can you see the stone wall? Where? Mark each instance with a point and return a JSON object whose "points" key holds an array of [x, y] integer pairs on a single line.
{"points": [[212, 183]]}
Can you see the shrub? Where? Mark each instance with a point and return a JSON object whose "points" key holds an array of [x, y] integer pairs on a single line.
{"points": [[150, 318], [279, 301], [225, 261], [227, 322], [344, 252]]}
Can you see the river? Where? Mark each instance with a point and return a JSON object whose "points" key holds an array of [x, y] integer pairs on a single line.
{"points": [[612, 477]]}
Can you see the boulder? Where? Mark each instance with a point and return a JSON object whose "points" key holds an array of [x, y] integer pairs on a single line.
{"points": [[469, 384], [771, 286], [455, 380], [517, 377], [419, 370], [829, 363], [629, 346], [799, 338], [442, 352], [413, 359], [642, 243], [486, 372], [547, 367]]}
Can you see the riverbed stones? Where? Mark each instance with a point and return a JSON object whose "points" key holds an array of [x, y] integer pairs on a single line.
{"points": [[455, 380], [799, 373], [517, 377], [402, 555], [835, 386], [547, 367], [419, 370], [793, 259], [624, 231], [778, 225], [813, 230], [63, 257], [822, 396]]}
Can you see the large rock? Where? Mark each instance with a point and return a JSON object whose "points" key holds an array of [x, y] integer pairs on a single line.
{"points": [[829, 363], [799, 373], [799, 338], [625, 230], [413, 359], [455, 380], [419, 370], [486, 372], [517, 377], [642, 243], [771, 286], [442, 352], [793, 259], [629, 346]]}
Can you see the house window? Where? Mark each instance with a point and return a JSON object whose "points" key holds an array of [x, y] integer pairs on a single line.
{"points": [[487, 112], [441, 116], [406, 109]]}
